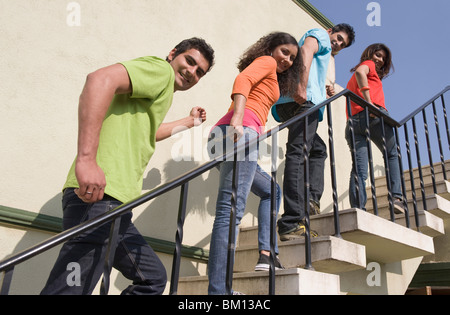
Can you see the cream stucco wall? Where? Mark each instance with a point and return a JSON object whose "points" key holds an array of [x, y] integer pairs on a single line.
{"points": [[44, 63]]}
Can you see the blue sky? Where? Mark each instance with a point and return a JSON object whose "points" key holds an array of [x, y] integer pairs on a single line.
{"points": [[416, 31]]}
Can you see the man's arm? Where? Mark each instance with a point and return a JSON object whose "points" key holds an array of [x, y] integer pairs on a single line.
{"points": [[308, 50], [95, 99], [196, 117]]}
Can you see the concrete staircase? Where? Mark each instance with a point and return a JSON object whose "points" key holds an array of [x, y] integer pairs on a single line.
{"points": [[373, 255]]}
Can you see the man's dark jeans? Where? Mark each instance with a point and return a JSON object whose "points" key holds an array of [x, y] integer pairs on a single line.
{"points": [[134, 258], [294, 181]]}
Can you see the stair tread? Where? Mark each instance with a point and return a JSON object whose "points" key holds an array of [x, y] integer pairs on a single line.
{"points": [[293, 281], [329, 254], [385, 241], [436, 204]]}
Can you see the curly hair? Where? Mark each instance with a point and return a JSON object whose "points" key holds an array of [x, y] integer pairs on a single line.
{"points": [[288, 80], [368, 53]]}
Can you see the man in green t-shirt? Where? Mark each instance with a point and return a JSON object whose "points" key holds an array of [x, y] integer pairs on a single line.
{"points": [[121, 110]]}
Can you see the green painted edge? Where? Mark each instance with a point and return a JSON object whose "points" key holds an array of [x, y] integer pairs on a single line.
{"points": [[46, 223], [315, 13], [432, 274]]}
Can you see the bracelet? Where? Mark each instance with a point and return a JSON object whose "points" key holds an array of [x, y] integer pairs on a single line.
{"points": [[365, 88]]}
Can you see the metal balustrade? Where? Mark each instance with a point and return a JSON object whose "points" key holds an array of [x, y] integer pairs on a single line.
{"points": [[7, 266]]}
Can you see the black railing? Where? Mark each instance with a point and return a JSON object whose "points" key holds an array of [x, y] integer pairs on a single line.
{"points": [[7, 266]]}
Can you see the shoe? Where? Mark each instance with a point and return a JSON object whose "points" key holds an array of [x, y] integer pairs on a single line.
{"points": [[399, 207], [264, 263], [314, 207], [297, 233], [237, 293]]}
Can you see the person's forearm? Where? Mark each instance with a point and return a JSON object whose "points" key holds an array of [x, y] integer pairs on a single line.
{"points": [[166, 130], [239, 109], [363, 82]]}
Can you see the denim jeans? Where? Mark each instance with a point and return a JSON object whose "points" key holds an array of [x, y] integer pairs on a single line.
{"points": [[134, 258], [294, 179], [250, 178], [362, 158]]}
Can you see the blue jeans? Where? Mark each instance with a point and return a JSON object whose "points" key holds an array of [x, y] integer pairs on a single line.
{"points": [[362, 158], [134, 258], [294, 177], [250, 178]]}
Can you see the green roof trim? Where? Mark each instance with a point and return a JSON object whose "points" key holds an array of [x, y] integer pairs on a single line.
{"points": [[315, 13], [45, 223], [432, 274]]}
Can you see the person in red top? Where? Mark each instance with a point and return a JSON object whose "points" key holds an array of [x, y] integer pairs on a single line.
{"points": [[375, 65], [267, 68]]}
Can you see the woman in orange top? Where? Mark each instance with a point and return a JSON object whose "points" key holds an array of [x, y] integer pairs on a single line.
{"points": [[267, 68]]}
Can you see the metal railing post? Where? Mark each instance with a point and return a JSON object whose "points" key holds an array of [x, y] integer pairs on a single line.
{"points": [[411, 177], [402, 177], [337, 226], [232, 228], [419, 164], [6, 281], [353, 153], [178, 240], [370, 158], [109, 257], [388, 171], [273, 213], [430, 155], [308, 262]]}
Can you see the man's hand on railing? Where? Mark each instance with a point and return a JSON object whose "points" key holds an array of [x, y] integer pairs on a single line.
{"points": [[330, 90]]}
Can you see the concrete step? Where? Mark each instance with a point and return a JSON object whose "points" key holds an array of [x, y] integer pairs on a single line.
{"points": [[294, 281], [431, 222], [328, 254], [437, 205], [426, 173], [442, 189], [385, 241]]}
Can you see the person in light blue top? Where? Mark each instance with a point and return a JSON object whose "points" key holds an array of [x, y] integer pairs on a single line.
{"points": [[316, 47], [316, 94]]}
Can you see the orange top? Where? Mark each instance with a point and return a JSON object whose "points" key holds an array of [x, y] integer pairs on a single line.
{"points": [[259, 84]]}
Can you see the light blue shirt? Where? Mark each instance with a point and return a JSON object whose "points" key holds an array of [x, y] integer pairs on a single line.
{"points": [[315, 91]]}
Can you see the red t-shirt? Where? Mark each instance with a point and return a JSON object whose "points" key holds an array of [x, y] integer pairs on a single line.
{"points": [[375, 84]]}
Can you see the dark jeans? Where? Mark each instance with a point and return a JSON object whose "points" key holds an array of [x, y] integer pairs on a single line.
{"points": [[294, 181], [362, 156], [134, 258]]}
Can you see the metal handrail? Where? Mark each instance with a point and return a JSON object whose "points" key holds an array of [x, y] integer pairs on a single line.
{"points": [[7, 266], [421, 108]]}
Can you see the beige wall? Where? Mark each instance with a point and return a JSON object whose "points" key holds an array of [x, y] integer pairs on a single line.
{"points": [[45, 61]]}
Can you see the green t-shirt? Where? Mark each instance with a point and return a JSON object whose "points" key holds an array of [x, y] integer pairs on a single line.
{"points": [[128, 134]]}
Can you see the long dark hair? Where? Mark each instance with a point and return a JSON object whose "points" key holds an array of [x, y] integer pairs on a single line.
{"points": [[288, 80], [368, 53]]}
